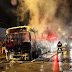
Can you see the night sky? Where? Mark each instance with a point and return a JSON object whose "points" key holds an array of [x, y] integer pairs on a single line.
{"points": [[6, 6]]}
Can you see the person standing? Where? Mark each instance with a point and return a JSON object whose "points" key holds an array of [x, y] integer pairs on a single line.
{"points": [[0, 47], [3, 47]]}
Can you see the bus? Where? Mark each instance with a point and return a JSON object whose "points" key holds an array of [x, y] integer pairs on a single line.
{"points": [[21, 42]]}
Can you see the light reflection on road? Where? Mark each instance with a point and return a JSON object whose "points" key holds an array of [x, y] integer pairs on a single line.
{"points": [[70, 64], [60, 66], [56, 65], [42, 68]]}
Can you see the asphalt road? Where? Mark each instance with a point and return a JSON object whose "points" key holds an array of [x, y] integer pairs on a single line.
{"points": [[58, 63]]}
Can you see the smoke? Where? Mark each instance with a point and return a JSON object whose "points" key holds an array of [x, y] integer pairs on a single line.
{"points": [[45, 15], [42, 14]]}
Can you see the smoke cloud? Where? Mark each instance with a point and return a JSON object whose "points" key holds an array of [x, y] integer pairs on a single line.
{"points": [[45, 14]]}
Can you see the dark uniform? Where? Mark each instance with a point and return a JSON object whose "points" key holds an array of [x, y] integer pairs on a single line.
{"points": [[59, 45]]}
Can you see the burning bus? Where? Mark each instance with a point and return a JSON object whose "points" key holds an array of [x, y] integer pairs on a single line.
{"points": [[21, 41]]}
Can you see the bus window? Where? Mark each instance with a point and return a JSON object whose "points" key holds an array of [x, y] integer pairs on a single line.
{"points": [[25, 37], [32, 38]]}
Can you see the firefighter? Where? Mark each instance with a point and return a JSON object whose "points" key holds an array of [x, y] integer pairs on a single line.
{"points": [[3, 47], [59, 45]]}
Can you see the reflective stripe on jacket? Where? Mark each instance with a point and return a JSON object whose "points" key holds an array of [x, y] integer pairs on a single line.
{"points": [[59, 45]]}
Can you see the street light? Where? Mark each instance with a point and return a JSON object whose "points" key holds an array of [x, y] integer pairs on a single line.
{"points": [[59, 29], [63, 33]]}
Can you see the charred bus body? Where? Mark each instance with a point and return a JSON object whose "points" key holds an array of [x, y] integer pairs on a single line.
{"points": [[22, 40]]}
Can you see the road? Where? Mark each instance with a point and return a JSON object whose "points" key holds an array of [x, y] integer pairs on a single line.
{"points": [[57, 63]]}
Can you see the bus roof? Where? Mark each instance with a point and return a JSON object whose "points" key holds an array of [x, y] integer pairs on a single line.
{"points": [[19, 29]]}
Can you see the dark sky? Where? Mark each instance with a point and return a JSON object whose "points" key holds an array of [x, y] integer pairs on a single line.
{"points": [[7, 19], [2, 32], [5, 7]]}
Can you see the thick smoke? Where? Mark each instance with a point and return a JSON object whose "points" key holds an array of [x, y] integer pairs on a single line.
{"points": [[45, 16]]}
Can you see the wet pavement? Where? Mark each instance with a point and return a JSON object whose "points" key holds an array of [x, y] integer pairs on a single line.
{"points": [[36, 67], [57, 63]]}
